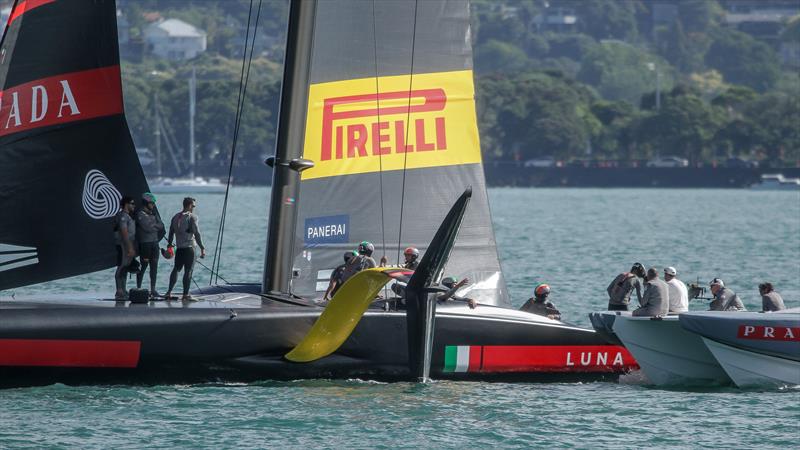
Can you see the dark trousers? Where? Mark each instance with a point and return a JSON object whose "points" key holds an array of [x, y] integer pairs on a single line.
{"points": [[148, 254], [184, 260], [614, 307], [123, 261]]}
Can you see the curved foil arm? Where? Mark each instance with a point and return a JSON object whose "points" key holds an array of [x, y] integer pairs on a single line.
{"points": [[342, 314]]}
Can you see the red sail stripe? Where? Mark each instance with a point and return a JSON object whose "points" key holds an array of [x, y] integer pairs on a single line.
{"points": [[556, 358], [25, 6], [68, 353], [69, 97]]}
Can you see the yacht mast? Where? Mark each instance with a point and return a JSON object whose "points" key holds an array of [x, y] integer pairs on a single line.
{"points": [[289, 147], [192, 85], [157, 133]]}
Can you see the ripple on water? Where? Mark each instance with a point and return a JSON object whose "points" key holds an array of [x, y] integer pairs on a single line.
{"points": [[574, 239]]}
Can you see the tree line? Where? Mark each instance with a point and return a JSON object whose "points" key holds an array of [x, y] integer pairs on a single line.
{"points": [[588, 92]]}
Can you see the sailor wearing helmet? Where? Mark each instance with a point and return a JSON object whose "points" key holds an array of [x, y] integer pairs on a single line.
{"points": [[540, 305], [621, 287], [724, 298], [150, 230], [362, 260], [411, 255]]}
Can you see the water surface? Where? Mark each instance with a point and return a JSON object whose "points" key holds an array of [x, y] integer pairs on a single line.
{"points": [[576, 240]]}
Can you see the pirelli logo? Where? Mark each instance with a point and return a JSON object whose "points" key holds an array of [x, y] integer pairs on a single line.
{"points": [[425, 122]]}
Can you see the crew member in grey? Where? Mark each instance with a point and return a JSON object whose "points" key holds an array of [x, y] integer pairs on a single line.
{"points": [[149, 230], [678, 294], [540, 305], [124, 236], [361, 261], [620, 289], [724, 298], [453, 286], [411, 255], [184, 228], [770, 300], [655, 301], [336, 280]]}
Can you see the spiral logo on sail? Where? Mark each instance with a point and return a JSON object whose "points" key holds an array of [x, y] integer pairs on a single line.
{"points": [[100, 197]]}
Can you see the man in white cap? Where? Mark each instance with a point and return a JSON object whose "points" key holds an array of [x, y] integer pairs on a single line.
{"points": [[724, 298], [678, 294]]}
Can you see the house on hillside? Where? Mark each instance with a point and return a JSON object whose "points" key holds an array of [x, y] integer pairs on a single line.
{"points": [[557, 19], [763, 19], [175, 39]]}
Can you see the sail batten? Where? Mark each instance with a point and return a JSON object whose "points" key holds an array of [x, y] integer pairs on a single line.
{"points": [[391, 125]]}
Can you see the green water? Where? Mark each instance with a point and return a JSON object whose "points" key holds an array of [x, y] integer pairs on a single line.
{"points": [[575, 240]]}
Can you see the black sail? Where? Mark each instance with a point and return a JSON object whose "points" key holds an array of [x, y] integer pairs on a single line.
{"points": [[66, 154], [391, 127]]}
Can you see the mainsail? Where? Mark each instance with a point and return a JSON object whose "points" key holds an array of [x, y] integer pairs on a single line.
{"points": [[66, 154], [391, 127]]}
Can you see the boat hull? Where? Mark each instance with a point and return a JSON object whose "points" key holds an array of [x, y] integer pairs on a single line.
{"points": [[668, 354], [244, 338], [749, 369], [754, 348]]}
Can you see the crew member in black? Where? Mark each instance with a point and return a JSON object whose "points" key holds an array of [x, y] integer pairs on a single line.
{"points": [[124, 235], [186, 231], [337, 276], [539, 304], [453, 286], [149, 230]]}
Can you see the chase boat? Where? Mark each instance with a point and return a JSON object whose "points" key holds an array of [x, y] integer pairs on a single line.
{"points": [[754, 349], [377, 139]]}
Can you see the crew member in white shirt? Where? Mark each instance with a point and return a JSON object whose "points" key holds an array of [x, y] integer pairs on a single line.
{"points": [[678, 294]]}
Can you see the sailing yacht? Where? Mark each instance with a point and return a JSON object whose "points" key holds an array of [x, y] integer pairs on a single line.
{"points": [[377, 140], [190, 184]]}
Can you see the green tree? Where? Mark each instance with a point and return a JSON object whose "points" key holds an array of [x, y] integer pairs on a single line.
{"points": [[535, 115], [743, 60], [684, 126], [605, 19], [610, 141], [622, 72], [496, 56], [777, 117]]}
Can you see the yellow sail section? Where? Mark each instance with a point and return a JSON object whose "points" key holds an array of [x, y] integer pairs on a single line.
{"points": [[390, 123], [341, 315]]}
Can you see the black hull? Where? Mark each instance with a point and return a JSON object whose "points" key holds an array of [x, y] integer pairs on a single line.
{"points": [[236, 337]]}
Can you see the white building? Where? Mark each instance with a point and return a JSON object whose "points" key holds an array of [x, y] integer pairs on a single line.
{"points": [[175, 39]]}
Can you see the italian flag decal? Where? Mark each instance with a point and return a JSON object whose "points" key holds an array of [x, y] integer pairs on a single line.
{"points": [[537, 358]]}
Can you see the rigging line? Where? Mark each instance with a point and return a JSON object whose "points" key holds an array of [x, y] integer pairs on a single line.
{"points": [[210, 270], [216, 259], [217, 262], [408, 126], [238, 126], [380, 152], [378, 105]]}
